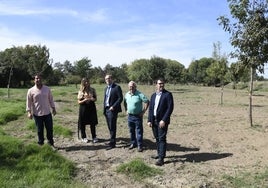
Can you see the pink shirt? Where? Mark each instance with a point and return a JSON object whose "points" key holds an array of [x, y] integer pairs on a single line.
{"points": [[39, 101]]}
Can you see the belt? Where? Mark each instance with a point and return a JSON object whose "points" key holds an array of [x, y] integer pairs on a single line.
{"points": [[134, 114]]}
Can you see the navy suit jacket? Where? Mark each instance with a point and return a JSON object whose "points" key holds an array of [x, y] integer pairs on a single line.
{"points": [[116, 98], [164, 109]]}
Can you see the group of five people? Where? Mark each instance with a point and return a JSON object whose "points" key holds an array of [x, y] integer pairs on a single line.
{"points": [[160, 107]]}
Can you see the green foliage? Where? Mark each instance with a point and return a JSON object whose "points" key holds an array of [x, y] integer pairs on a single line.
{"points": [[138, 170], [217, 70], [239, 73], [139, 70], [147, 71], [197, 70], [73, 79], [249, 32], [32, 166], [24, 62], [82, 67], [175, 72]]}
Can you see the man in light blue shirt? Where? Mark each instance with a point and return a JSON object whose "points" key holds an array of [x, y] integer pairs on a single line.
{"points": [[136, 104]]}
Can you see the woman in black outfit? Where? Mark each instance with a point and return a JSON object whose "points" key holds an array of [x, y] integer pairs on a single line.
{"points": [[87, 110]]}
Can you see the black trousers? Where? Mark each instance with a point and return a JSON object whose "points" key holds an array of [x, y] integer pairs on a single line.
{"points": [[111, 119], [160, 135]]}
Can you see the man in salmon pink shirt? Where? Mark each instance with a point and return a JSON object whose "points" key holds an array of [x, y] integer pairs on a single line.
{"points": [[39, 102]]}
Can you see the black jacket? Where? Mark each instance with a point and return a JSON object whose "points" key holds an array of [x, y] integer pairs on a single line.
{"points": [[115, 99]]}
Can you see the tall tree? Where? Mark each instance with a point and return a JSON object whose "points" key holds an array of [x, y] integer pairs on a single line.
{"points": [[82, 67], [249, 36], [37, 59], [197, 70], [139, 71], [174, 72], [68, 68], [24, 62], [158, 69]]}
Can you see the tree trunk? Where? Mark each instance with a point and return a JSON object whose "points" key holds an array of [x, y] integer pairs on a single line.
{"points": [[9, 80], [222, 94], [250, 96]]}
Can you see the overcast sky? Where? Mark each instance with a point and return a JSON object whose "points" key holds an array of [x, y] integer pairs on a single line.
{"points": [[115, 31]]}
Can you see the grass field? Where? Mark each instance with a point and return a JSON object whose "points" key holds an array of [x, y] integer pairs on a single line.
{"points": [[202, 122]]}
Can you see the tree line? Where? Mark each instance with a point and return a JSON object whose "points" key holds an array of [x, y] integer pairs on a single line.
{"points": [[19, 64]]}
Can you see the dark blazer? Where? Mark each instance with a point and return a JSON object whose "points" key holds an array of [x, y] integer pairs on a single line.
{"points": [[164, 109], [116, 98]]}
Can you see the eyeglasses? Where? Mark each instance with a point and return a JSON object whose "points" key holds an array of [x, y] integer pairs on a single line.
{"points": [[160, 83]]}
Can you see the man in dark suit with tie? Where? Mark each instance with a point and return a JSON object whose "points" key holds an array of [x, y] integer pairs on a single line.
{"points": [[112, 106], [160, 109]]}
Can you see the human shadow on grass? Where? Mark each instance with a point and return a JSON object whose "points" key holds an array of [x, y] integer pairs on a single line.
{"points": [[85, 146], [197, 157]]}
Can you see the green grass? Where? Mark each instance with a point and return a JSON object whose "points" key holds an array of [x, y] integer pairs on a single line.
{"points": [[138, 170], [11, 109], [57, 129], [33, 166], [29, 165], [247, 180]]}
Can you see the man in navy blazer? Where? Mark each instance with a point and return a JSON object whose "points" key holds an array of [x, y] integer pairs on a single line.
{"points": [[111, 107], [160, 109]]}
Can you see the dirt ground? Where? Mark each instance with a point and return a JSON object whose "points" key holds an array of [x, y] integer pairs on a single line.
{"points": [[206, 141]]}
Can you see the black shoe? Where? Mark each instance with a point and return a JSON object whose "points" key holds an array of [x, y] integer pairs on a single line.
{"points": [[154, 157], [140, 149], [159, 162], [131, 146], [110, 147]]}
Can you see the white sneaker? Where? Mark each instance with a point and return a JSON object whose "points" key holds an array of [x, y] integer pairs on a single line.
{"points": [[95, 140], [85, 140]]}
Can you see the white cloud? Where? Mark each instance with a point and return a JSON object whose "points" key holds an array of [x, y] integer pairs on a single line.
{"points": [[96, 16], [28, 9], [22, 8]]}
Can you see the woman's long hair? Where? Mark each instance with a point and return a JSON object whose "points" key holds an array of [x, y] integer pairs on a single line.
{"points": [[84, 87]]}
